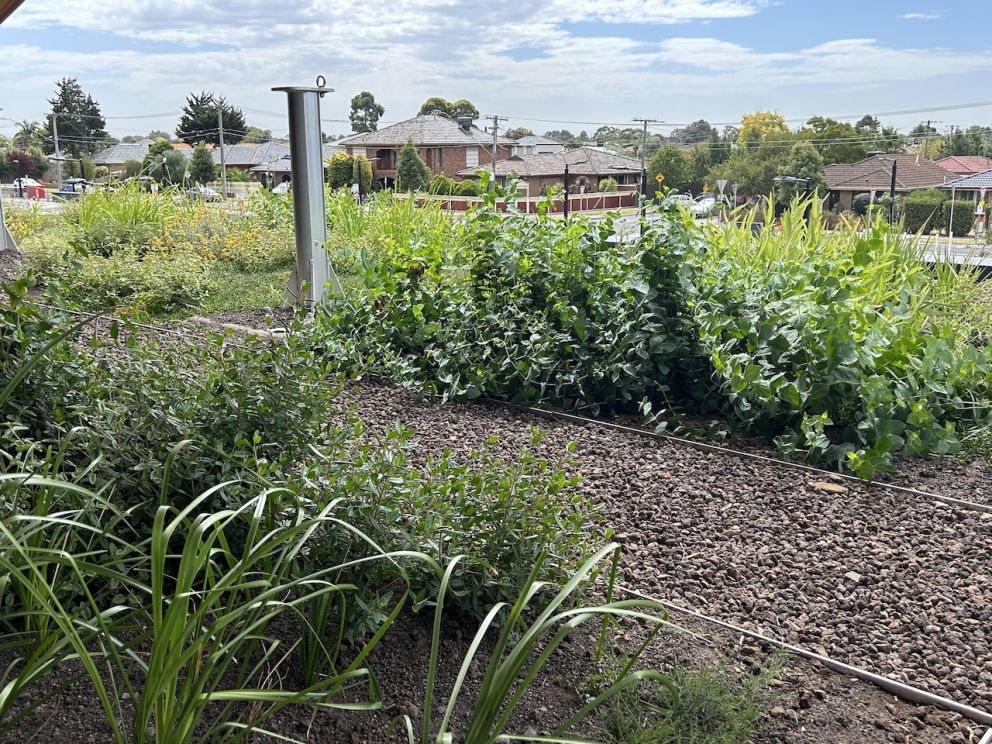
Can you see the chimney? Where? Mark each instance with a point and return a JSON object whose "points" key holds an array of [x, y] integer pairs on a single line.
{"points": [[465, 123]]}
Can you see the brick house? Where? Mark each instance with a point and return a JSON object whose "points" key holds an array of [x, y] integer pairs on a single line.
{"points": [[873, 175], [446, 146], [587, 166]]}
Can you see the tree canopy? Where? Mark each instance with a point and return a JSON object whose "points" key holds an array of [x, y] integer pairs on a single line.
{"points": [[518, 132], [201, 165], [761, 126], [81, 125], [412, 173], [460, 109], [199, 120], [804, 162], [837, 142], [674, 164], [365, 112]]}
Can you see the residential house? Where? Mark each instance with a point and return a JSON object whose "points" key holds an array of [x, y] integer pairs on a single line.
{"points": [[973, 188], [873, 175], [534, 145], [966, 165], [587, 166], [446, 146], [247, 157], [114, 157]]}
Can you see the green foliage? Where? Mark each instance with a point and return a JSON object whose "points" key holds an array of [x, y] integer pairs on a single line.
{"points": [[713, 707], [201, 165], [441, 184], [88, 167], [860, 204], [760, 127], [199, 120], [963, 216], [674, 165], [803, 162], [132, 168], [340, 168], [468, 187], [518, 132], [107, 220], [835, 141], [365, 112], [460, 109], [924, 210], [570, 320], [361, 173], [607, 185], [81, 125], [412, 173]]}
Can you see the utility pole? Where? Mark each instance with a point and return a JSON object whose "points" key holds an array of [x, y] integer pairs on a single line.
{"points": [[223, 158], [58, 154], [644, 146], [495, 120]]}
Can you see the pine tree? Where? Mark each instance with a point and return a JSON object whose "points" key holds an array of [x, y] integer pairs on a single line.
{"points": [[199, 120], [81, 126], [411, 171], [201, 165]]}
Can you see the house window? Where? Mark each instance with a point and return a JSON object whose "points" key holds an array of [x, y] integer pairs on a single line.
{"points": [[358, 151], [471, 157]]}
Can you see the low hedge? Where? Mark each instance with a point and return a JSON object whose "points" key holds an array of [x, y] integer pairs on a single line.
{"points": [[923, 210]]}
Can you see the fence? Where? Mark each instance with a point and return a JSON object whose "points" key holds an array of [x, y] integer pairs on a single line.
{"points": [[598, 202]]}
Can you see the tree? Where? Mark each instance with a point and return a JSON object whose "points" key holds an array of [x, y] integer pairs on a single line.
{"points": [[21, 163], [761, 126], [837, 142], [132, 168], [674, 165], [339, 170], [559, 135], [460, 109], [753, 170], [804, 162], [868, 125], [411, 171], [253, 135], [81, 126], [975, 140], [201, 165], [699, 131], [199, 120], [361, 173], [174, 168], [158, 134], [28, 134], [518, 132], [365, 112], [152, 165]]}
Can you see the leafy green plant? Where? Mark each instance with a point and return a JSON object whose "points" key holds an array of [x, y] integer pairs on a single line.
{"points": [[923, 210], [522, 649], [961, 220]]}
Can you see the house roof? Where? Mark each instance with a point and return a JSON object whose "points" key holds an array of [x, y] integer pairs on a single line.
{"points": [[533, 139], [247, 155], [122, 152], [975, 181], [875, 173], [965, 165], [582, 161], [428, 129]]}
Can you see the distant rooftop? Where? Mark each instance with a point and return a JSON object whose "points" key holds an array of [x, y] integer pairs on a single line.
{"points": [[965, 165], [427, 129], [875, 173], [582, 161]]}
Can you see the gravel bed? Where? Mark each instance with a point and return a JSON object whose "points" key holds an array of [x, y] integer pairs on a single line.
{"points": [[896, 584], [10, 266]]}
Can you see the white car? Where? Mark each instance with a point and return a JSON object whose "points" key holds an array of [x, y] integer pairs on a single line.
{"points": [[683, 200], [282, 188], [703, 205]]}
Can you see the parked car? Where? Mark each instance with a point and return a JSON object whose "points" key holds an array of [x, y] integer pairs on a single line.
{"points": [[703, 205], [683, 200], [203, 192], [282, 188]]}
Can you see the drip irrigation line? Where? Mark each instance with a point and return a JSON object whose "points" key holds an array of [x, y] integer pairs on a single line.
{"points": [[899, 689], [704, 446]]}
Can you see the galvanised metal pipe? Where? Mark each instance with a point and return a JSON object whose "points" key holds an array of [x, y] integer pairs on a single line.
{"points": [[308, 285]]}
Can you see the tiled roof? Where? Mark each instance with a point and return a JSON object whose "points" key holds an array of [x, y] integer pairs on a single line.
{"points": [[122, 152], [976, 181], [965, 165], [245, 155], [533, 139], [875, 173], [429, 129], [582, 161]]}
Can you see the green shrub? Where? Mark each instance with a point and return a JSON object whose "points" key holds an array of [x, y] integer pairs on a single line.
{"points": [[104, 221], [361, 173], [468, 187], [441, 184], [340, 170], [607, 185], [860, 203], [924, 210], [964, 216]]}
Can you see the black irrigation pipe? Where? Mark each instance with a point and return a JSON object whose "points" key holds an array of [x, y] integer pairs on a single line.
{"points": [[899, 689], [705, 447]]}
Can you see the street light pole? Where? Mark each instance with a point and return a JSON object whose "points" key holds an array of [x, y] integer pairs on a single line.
{"points": [[566, 191], [58, 154]]}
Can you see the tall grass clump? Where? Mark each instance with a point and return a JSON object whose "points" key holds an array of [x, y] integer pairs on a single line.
{"points": [[128, 215]]}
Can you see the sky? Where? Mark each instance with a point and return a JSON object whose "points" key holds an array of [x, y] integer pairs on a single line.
{"points": [[545, 64]]}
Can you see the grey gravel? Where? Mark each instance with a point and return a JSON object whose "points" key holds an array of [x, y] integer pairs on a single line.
{"points": [[766, 546]]}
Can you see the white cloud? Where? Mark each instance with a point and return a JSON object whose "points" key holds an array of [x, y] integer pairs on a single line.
{"points": [[508, 57], [921, 16]]}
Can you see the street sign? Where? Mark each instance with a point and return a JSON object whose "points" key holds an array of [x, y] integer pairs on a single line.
{"points": [[659, 178], [721, 184]]}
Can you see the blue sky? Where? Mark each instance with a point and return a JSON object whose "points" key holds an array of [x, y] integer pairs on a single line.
{"points": [[544, 63]]}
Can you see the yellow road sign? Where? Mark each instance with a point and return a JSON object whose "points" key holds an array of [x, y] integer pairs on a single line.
{"points": [[659, 178]]}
